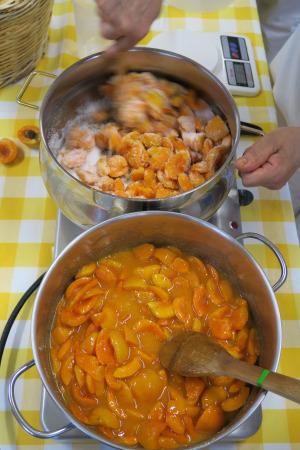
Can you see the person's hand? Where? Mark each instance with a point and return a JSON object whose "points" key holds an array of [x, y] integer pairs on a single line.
{"points": [[272, 160], [126, 21]]}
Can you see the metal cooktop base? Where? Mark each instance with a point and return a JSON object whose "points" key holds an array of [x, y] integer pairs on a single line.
{"points": [[229, 220]]}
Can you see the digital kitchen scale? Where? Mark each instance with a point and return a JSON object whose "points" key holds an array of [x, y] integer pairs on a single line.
{"points": [[230, 57]]}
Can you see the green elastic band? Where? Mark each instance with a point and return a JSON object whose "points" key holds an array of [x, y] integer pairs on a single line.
{"points": [[262, 377]]}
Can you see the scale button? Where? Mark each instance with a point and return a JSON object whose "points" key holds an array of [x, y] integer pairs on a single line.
{"points": [[230, 73], [225, 47], [249, 76], [243, 49]]}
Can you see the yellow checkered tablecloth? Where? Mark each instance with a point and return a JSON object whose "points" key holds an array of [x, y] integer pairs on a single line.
{"points": [[28, 215]]}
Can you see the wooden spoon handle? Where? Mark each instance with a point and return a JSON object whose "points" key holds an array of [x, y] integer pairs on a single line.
{"points": [[282, 385], [271, 381]]}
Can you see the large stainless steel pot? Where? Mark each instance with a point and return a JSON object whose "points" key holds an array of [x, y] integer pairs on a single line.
{"points": [[161, 228], [84, 205]]}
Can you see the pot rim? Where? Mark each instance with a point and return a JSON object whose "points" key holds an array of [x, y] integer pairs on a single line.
{"points": [[261, 393], [206, 185]]}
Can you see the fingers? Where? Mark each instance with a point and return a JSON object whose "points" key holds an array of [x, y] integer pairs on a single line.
{"points": [[123, 41], [125, 38], [109, 31], [256, 155], [272, 174], [106, 8], [121, 45], [126, 22], [258, 177]]}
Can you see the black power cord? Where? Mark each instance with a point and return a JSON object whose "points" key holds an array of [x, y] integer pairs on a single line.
{"points": [[16, 311]]}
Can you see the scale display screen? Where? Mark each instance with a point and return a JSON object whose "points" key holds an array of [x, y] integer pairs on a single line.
{"points": [[240, 74], [234, 48]]}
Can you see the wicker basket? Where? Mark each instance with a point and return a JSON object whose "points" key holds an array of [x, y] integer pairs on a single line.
{"points": [[23, 36]]}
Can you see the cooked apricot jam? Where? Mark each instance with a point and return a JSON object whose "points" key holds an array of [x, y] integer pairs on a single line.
{"points": [[106, 337]]}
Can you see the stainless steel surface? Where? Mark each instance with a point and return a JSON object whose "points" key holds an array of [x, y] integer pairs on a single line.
{"points": [[162, 228], [27, 84], [283, 267], [224, 218], [51, 417], [54, 433], [84, 205]]}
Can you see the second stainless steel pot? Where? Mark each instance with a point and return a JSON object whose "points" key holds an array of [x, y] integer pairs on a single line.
{"points": [[76, 85], [161, 228]]}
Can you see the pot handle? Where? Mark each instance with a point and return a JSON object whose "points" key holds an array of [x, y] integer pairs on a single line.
{"points": [[20, 419], [249, 129], [275, 250], [27, 83]]}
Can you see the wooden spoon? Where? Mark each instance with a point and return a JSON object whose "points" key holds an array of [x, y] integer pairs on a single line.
{"points": [[194, 354]]}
